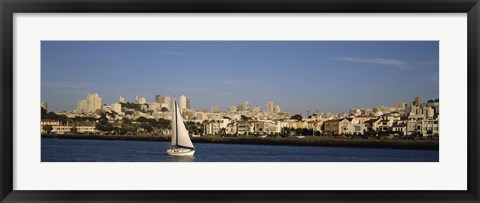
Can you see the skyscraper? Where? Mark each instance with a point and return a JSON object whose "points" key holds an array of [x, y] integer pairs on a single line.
{"points": [[164, 101], [270, 107], [159, 98], [188, 103], [418, 101], [94, 102], [214, 109], [82, 106], [277, 109], [183, 102]]}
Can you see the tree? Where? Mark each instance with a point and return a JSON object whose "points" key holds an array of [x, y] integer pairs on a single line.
{"points": [[296, 117], [147, 127], [47, 128], [164, 109], [43, 112], [223, 131], [73, 130], [245, 118]]}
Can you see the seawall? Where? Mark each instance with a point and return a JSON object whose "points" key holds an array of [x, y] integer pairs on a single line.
{"points": [[293, 141]]}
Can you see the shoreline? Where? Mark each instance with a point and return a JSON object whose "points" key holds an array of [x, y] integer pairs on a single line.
{"points": [[307, 141]]}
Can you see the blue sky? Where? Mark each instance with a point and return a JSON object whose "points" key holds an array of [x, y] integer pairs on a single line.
{"points": [[297, 75]]}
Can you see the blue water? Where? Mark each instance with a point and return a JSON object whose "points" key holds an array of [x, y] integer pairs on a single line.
{"points": [[69, 150]]}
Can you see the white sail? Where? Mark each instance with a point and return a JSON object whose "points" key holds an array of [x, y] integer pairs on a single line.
{"points": [[179, 132]]}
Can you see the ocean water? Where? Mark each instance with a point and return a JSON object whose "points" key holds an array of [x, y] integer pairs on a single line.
{"points": [[70, 150]]}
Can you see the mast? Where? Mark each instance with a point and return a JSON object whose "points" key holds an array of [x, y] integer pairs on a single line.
{"points": [[176, 124]]}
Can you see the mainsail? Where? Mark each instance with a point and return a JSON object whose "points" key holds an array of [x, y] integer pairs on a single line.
{"points": [[179, 132]]}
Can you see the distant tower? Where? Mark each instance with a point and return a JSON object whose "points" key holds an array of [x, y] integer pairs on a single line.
{"points": [[94, 102], [418, 101], [159, 98], [82, 106], [183, 102], [277, 109], [121, 99], [270, 107], [214, 109]]}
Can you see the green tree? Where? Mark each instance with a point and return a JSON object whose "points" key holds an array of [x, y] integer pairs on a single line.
{"points": [[164, 109], [147, 127], [245, 118], [47, 128], [296, 117], [73, 130]]}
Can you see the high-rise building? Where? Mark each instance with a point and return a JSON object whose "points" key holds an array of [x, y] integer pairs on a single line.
{"points": [[214, 109], [188, 103], [418, 101], [121, 100], [183, 102], [82, 106], [159, 98], [94, 102], [166, 102], [277, 109], [270, 107]]}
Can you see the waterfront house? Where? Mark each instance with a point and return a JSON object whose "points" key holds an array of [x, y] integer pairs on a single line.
{"points": [[338, 127]]}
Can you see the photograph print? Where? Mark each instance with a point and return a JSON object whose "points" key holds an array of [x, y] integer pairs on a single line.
{"points": [[240, 101]]}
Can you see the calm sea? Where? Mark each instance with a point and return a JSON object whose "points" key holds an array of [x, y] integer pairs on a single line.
{"points": [[69, 150]]}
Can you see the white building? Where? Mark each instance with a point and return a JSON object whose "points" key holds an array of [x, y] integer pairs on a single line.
{"points": [[116, 107], [121, 99], [183, 102], [82, 106], [94, 102], [277, 109], [164, 101], [141, 100]]}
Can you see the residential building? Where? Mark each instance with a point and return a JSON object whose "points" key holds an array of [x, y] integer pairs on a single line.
{"points": [[94, 102], [116, 107], [338, 127]]}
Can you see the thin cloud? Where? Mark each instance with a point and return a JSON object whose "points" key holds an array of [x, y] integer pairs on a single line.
{"points": [[376, 61]]}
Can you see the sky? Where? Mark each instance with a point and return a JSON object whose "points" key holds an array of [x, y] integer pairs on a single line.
{"points": [[299, 76]]}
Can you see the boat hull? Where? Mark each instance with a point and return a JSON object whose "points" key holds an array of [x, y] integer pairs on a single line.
{"points": [[182, 152]]}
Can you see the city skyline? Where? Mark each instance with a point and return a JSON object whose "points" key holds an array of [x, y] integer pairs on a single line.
{"points": [[299, 76]]}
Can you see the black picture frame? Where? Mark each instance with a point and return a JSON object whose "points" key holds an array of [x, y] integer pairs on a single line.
{"points": [[10, 7]]}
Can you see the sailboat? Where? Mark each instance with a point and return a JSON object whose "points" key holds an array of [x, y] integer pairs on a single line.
{"points": [[181, 145]]}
